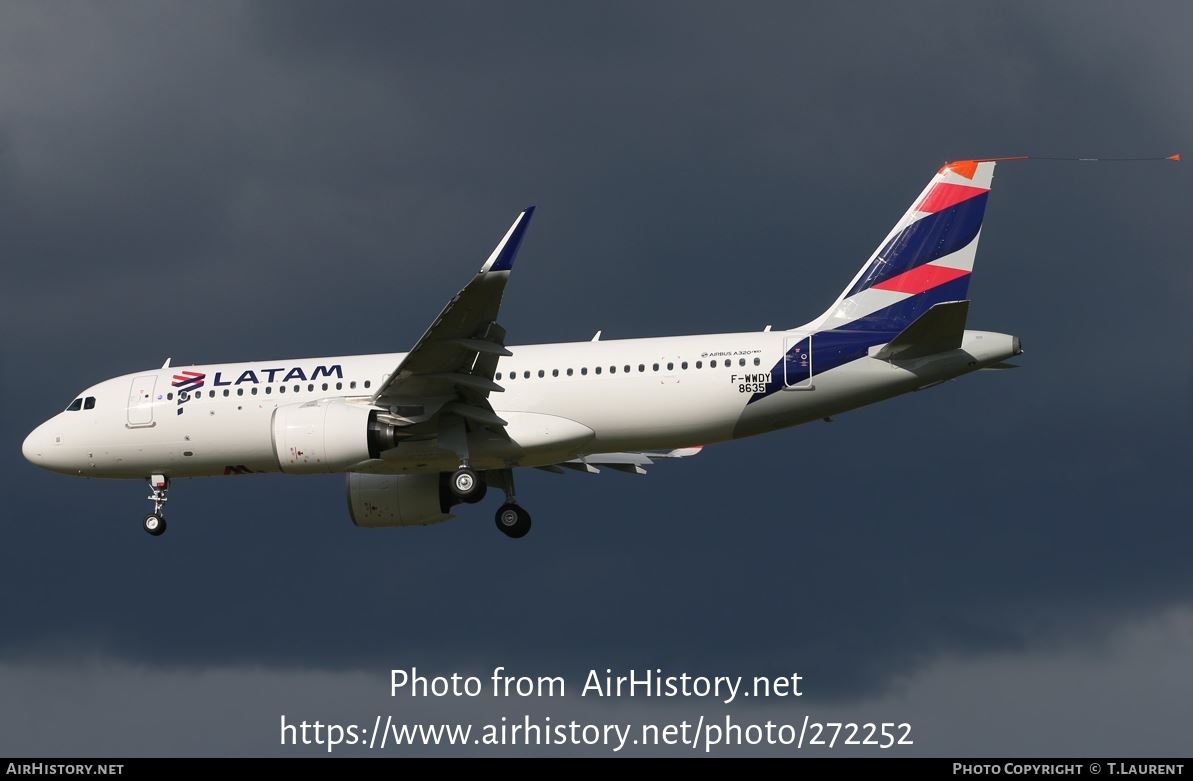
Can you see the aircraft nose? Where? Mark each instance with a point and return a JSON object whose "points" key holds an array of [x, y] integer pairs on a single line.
{"points": [[35, 446]]}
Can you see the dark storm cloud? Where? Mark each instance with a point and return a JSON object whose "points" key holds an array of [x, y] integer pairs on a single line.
{"points": [[956, 706], [227, 181]]}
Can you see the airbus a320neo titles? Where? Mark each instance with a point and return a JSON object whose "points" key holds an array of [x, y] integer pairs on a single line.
{"points": [[420, 432]]}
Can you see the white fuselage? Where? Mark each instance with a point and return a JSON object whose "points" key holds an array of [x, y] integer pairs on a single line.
{"points": [[560, 401]]}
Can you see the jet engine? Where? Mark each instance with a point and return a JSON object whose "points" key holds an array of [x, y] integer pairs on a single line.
{"points": [[397, 500], [327, 436]]}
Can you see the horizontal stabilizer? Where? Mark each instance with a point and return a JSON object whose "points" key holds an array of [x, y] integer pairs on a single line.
{"points": [[938, 330]]}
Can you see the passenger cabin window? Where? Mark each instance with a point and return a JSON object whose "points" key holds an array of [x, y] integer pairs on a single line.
{"points": [[555, 372], [542, 373], [641, 367], [757, 361], [598, 370], [683, 365], [584, 370], [670, 366], [498, 377], [699, 364], [368, 384], [569, 372], [526, 375]]}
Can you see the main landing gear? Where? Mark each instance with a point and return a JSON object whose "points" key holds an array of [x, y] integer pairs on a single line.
{"points": [[155, 522], [467, 485], [511, 520]]}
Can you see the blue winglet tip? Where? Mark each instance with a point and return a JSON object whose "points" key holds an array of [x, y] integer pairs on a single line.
{"points": [[505, 260]]}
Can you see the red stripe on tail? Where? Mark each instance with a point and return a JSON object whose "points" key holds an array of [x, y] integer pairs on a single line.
{"points": [[920, 278], [944, 195]]}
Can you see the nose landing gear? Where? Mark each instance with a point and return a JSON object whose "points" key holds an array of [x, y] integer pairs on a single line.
{"points": [[155, 522]]}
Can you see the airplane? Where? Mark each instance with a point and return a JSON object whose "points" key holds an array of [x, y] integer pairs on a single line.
{"points": [[421, 432]]}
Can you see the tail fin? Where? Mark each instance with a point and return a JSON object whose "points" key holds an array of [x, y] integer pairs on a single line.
{"points": [[925, 260]]}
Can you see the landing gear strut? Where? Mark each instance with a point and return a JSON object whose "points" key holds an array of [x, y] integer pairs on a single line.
{"points": [[155, 522], [511, 519]]}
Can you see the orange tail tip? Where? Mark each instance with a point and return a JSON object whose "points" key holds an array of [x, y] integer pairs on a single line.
{"points": [[967, 168], [964, 168], [1176, 157]]}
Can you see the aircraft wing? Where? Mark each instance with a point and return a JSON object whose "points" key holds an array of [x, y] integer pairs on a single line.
{"points": [[457, 356], [633, 463]]}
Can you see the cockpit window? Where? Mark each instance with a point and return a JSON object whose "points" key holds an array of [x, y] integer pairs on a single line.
{"points": [[89, 402], [75, 405]]}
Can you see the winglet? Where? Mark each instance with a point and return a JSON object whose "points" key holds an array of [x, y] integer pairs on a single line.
{"points": [[503, 256]]}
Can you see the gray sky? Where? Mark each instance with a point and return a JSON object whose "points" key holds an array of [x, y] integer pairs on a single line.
{"points": [[224, 181]]}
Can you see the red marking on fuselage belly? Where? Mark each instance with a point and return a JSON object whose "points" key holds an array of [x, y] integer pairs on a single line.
{"points": [[944, 195], [920, 278]]}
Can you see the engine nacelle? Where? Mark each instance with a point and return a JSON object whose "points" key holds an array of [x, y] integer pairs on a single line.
{"points": [[327, 436], [397, 500]]}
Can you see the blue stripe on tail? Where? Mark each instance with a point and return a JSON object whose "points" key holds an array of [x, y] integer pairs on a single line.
{"points": [[925, 240], [838, 346]]}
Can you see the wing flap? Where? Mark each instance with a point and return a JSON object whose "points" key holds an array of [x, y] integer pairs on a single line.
{"points": [[630, 463]]}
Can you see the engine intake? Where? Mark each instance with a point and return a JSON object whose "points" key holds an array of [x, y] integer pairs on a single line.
{"points": [[328, 436]]}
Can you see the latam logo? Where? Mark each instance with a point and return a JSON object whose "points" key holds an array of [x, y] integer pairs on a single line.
{"points": [[186, 381], [254, 376]]}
